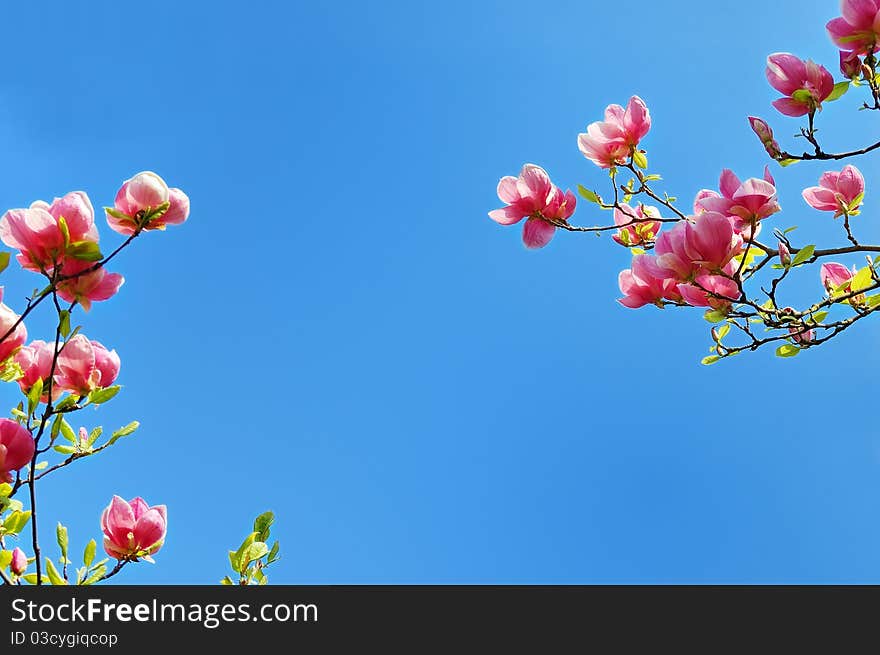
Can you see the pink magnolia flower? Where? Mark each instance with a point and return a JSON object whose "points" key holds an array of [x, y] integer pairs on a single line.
{"points": [[16, 448], [17, 336], [133, 529], [141, 195], [705, 245], [804, 84], [19, 562], [636, 226], [850, 64], [35, 360], [532, 195], [707, 290], [84, 366], [640, 287], [765, 134], [611, 142], [87, 287], [744, 203], [840, 192], [858, 29], [833, 275], [37, 234]]}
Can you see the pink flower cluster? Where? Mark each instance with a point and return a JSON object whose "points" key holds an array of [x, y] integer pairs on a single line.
{"points": [[533, 196], [693, 263], [636, 226], [133, 529], [613, 141], [82, 366], [12, 327]]}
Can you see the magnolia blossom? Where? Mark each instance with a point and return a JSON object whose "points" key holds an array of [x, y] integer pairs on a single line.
{"points": [[140, 196], [636, 226], [532, 195], [834, 276], [707, 245], [784, 253], [19, 562], [840, 192], [850, 64], [133, 529], [17, 335], [84, 366], [744, 203], [16, 448], [35, 360], [640, 286], [801, 336], [765, 134], [858, 30], [86, 286], [611, 142], [708, 290], [37, 234], [804, 84]]}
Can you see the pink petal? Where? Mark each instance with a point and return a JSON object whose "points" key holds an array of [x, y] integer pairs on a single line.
{"points": [[537, 233]]}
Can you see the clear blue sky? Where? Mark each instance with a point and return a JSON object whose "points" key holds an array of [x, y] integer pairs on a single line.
{"points": [[340, 334]]}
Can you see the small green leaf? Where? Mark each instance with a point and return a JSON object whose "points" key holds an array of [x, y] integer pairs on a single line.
{"points": [[262, 524], [30, 578], [4, 261], [839, 89], [89, 553], [5, 558], [64, 450], [715, 315], [790, 229], [123, 432], [41, 465], [711, 359], [96, 575], [227, 581], [64, 323], [803, 255], [254, 552], [34, 394], [234, 561], [54, 577], [115, 213], [16, 521], [818, 317], [65, 230], [586, 194], [99, 396], [873, 301], [788, 162], [723, 330], [862, 280], [61, 536], [787, 350], [273, 553]]}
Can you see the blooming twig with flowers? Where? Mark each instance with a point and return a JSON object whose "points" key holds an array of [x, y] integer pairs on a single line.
{"points": [[717, 256], [69, 372]]}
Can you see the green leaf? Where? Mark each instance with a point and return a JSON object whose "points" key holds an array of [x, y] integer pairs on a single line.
{"points": [[639, 159], [5, 558], [262, 524], [873, 301], [711, 359], [64, 323], [89, 553], [54, 577], [588, 195], [99, 396], [787, 350], [39, 466], [115, 213], [87, 251], [803, 255], [64, 450], [16, 521], [862, 280], [254, 552], [227, 581], [123, 432], [30, 578], [240, 563], [93, 436], [839, 89], [4, 261], [788, 162], [723, 330], [96, 575], [33, 395], [5, 490], [273, 553], [61, 536], [790, 229], [715, 315]]}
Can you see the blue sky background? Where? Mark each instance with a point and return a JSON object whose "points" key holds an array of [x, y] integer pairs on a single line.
{"points": [[340, 334]]}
